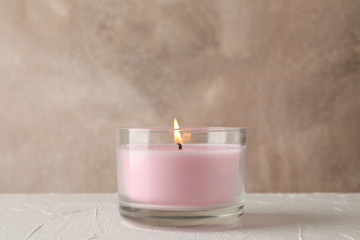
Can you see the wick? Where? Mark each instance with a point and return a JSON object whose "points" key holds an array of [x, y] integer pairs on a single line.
{"points": [[180, 146]]}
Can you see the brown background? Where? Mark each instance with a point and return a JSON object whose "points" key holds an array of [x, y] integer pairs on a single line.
{"points": [[71, 72]]}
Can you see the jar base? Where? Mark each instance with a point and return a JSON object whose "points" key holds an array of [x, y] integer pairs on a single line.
{"points": [[182, 218]]}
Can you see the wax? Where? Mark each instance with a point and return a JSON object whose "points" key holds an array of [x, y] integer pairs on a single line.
{"points": [[197, 175]]}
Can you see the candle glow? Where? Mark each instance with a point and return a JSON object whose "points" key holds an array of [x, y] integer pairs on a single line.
{"points": [[177, 135]]}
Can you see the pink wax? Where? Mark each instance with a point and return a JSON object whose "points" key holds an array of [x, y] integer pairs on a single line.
{"points": [[197, 175]]}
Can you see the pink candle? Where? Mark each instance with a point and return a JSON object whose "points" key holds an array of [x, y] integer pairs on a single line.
{"points": [[197, 175], [181, 177]]}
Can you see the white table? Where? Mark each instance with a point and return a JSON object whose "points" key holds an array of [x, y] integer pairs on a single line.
{"points": [[95, 216]]}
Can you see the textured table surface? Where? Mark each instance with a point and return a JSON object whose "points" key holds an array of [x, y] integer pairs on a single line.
{"points": [[95, 216]]}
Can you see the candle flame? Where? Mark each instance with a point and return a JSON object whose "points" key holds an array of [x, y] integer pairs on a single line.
{"points": [[177, 135]]}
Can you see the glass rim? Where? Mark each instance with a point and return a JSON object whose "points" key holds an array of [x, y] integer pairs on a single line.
{"points": [[194, 129]]}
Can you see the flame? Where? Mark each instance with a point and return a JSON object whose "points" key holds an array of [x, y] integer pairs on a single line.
{"points": [[177, 135]]}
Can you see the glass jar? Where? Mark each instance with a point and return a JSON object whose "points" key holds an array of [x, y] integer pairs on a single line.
{"points": [[195, 180]]}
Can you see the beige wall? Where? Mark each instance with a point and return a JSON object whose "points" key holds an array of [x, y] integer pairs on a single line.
{"points": [[73, 71]]}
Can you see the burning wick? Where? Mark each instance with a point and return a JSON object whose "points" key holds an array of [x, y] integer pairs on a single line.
{"points": [[180, 146], [177, 135]]}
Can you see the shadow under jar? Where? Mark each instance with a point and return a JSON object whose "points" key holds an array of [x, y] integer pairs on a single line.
{"points": [[198, 182]]}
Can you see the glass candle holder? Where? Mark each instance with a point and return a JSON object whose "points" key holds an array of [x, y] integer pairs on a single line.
{"points": [[197, 182]]}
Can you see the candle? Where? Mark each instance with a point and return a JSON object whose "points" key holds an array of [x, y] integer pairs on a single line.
{"points": [[167, 176], [195, 176]]}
